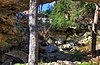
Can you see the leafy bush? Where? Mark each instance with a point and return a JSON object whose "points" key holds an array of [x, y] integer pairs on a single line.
{"points": [[20, 64], [65, 13], [60, 17], [84, 63]]}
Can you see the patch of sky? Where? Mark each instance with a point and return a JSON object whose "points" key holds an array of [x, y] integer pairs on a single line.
{"points": [[45, 7]]}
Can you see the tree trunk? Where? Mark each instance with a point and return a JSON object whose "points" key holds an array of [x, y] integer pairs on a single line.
{"points": [[33, 44], [94, 31]]}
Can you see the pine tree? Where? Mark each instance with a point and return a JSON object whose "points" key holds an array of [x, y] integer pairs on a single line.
{"points": [[65, 12]]}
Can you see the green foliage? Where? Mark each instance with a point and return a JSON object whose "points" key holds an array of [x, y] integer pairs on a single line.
{"points": [[20, 64], [58, 14], [84, 63], [65, 12]]}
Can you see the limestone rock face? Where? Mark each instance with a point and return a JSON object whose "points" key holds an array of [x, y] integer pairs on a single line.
{"points": [[45, 1], [6, 28], [17, 2], [12, 2], [11, 35], [1, 37], [98, 47]]}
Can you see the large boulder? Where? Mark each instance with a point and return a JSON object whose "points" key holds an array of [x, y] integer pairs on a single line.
{"points": [[18, 54]]}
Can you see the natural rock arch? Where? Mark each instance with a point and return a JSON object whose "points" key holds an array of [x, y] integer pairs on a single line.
{"points": [[33, 42]]}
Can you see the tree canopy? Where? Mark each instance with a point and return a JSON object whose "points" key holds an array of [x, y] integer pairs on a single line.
{"points": [[65, 13]]}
